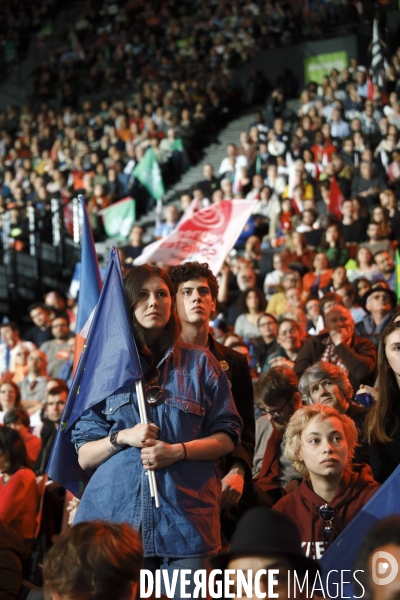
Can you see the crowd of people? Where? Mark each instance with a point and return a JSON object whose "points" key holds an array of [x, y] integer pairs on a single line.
{"points": [[175, 74]]}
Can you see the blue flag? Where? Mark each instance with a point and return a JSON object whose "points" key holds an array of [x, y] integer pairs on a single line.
{"points": [[341, 555], [109, 361]]}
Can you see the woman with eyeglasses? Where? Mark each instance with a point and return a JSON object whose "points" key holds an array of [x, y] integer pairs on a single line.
{"points": [[320, 443], [192, 421]]}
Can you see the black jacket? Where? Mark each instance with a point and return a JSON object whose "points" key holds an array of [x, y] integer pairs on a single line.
{"points": [[238, 374]]}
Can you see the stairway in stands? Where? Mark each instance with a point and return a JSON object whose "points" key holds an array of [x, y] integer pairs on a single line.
{"points": [[213, 155]]}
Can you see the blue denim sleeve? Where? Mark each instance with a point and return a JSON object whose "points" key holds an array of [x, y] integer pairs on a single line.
{"points": [[221, 413], [91, 426]]}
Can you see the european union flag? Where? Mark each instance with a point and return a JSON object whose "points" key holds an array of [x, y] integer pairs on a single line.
{"points": [[109, 361], [341, 555]]}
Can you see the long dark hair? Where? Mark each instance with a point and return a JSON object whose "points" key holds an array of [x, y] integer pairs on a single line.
{"points": [[13, 448], [381, 421], [134, 283]]}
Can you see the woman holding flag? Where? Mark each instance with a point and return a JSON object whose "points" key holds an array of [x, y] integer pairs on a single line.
{"points": [[192, 421]]}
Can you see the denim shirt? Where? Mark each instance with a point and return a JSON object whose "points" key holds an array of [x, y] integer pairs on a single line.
{"points": [[196, 403]]}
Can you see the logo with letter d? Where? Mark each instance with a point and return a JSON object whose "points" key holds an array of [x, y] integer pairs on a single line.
{"points": [[383, 567]]}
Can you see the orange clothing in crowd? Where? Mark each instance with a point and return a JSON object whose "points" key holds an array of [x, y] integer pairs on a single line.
{"points": [[19, 502]]}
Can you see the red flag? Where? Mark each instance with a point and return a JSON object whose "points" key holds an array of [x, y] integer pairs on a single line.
{"points": [[370, 86], [335, 198]]}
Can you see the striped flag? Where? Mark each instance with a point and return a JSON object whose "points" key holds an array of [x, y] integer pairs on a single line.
{"points": [[89, 287], [378, 59]]}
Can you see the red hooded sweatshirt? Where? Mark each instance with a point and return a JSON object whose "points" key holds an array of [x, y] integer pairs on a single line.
{"points": [[302, 506]]}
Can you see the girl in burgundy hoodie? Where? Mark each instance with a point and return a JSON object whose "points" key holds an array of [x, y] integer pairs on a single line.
{"points": [[320, 442]]}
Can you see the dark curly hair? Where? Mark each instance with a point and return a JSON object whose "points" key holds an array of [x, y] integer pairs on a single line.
{"points": [[193, 271]]}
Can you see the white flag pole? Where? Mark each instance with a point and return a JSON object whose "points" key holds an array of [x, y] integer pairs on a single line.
{"points": [[143, 419]]}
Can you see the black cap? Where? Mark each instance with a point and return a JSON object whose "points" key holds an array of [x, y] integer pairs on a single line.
{"points": [[265, 532], [380, 288]]}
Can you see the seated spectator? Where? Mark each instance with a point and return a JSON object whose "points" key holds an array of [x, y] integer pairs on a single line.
{"points": [[53, 410], [339, 278], [10, 397], [290, 339], [362, 266], [268, 328], [339, 346], [9, 335], [367, 185], [94, 560], [361, 286], [232, 158], [387, 269], [320, 443], [18, 419], [136, 244], [231, 296], [41, 330], [327, 384], [334, 247], [252, 304], [171, 221], [210, 183], [352, 230], [375, 241], [66, 371], [315, 322], [19, 360], [56, 350], [319, 278], [277, 397], [265, 540], [33, 386], [18, 489], [294, 308], [266, 213], [347, 292], [273, 279], [277, 302], [382, 538], [297, 254], [379, 303]]}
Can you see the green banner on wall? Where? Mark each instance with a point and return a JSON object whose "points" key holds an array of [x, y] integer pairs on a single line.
{"points": [[315, 67]]}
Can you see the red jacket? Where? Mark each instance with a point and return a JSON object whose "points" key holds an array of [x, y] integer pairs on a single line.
{"points": [[19, 502], [356, 488]]}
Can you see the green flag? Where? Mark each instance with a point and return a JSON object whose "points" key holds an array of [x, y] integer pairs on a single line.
{"points": [[149, 174], [177, 145], [119, 218]]}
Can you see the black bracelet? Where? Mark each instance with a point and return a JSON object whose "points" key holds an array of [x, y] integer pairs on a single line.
{"points": [[184, 449]]}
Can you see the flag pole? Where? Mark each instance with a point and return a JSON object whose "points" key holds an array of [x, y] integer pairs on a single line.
{"points": [[143, 418]]}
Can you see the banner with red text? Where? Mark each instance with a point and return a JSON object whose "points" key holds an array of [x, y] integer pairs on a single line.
{"points": [[206, 236]]}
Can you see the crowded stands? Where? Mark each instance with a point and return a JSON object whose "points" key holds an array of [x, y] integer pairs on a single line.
{"points": [[271, 384]]}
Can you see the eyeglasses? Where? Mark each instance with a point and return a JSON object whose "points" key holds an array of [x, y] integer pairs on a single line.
{"points": [[153, 391], [327, 514], [275, 414]]}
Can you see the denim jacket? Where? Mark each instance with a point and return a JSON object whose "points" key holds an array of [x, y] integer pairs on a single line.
{"points": [[196, 403]]}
